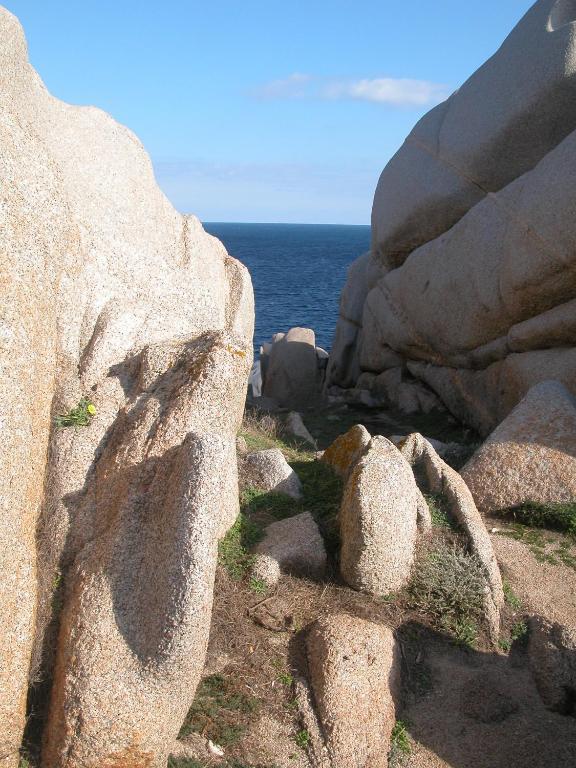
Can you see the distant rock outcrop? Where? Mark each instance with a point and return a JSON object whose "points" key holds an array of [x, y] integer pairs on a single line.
{"points": [[109, 294], [470, 283], [292, 369]]}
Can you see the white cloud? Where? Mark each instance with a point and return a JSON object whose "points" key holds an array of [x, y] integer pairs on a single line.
{"points": [[388, 90], [295, 86], [382, 90]]}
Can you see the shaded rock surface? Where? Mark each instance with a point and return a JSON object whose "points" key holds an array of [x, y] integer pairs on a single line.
{"points": [[355, 676], [105, 287], [268, 470], [292, 370], [552, 652], [531, 455], [291, 546], [378, 520]]}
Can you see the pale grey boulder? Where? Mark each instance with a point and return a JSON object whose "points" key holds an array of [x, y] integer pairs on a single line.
{"points": [[530, 456], [290, 368], [516, 108], [296, 427], [378, 519], [293, 546], [268, 470], [355, 669]]}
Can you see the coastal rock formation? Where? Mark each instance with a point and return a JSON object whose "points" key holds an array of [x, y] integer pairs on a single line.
{"points": [[292, 369], [473, 237], [355, 674], [530, 456], [378, 520], [268, 470], [107, 294], [291, 546]]}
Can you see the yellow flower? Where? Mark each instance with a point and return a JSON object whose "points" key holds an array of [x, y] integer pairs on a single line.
{"points": [[91, 409]]}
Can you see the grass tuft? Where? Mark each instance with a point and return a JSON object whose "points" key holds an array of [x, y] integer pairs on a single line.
{"points": [[81, 416], [558, 516], [400, 745], [440, 512], [234, 549]]}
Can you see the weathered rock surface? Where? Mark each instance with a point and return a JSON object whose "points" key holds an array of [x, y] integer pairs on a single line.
{"points": [[291, 546], [530, 456], [268, 470], [552, 653], [485, 699], [355, 674], [378, 520], [502, 121], [347, 449], [290, 368], [473, 230], [104, 289]]}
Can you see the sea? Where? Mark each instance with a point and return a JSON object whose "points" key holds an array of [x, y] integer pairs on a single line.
{"points": [[298, 271]]}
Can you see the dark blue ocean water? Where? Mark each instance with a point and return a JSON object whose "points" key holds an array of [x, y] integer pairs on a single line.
{"points": [[298, 271]]}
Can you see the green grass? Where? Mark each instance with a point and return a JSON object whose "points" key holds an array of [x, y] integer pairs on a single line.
{"points": [[540, 545], [216, 711], [234, 549], [517, 632], [448, 586], [81, 416], [400, 745], [511, 599], [184, 762], [258, 586], [440, 512], [558, 516]]}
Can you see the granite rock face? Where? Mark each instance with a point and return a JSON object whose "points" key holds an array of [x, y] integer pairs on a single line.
{"points": [[347, 449], [378, 519], [474, 237], [294, 546], [104, 289], [530, 456], [552, 654], [355, 675], [268, 470]]}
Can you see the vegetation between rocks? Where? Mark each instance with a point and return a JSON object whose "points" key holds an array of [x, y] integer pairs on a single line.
{"points": [[558, 516], [80, 416]]}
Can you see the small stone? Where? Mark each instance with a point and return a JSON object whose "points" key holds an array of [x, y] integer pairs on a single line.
{"points": [[268, 470], [295, 425], [347, 449]]}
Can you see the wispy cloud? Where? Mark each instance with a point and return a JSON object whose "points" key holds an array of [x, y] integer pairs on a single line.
{"points": [[381, 90], [295, 86], [388, 90]]}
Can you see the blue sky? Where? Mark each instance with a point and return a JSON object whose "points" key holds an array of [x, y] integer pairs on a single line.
{"points": [[256, 110]]}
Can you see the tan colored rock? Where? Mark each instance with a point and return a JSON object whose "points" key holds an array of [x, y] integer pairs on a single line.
{"points": [[442, 479], [378, 520], [268, 470], [531, 456], [291, 546], [347, 449], [135, 624], [355, 674], [96, 266], [552, 654]]}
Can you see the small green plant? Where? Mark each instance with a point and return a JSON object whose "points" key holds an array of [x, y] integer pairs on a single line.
{"points": [[81, 416], [233, 550], [184, 762], [24, 763], [439, 512], [518, 630], [400, 745], [448, 585], [286, 679], [511, 599], [302, 739], [258, 586]]}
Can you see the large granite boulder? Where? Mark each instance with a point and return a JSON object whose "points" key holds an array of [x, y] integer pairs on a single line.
{"points": [[106, 293], [378, 519], [502, 121], [530, 456], [355, 675], [473, 225], [291, 368]]}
